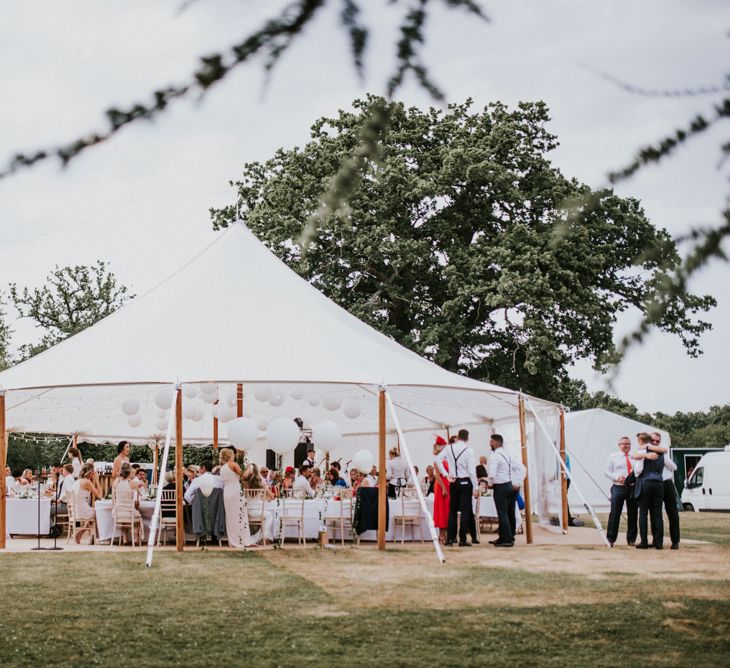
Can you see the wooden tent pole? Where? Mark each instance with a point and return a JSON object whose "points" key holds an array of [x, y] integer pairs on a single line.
{"points": [[563, 478], [239, 400], [382, 484], [155, 462], [3, 463], [526, 485], [215, 429], [179, 517]]}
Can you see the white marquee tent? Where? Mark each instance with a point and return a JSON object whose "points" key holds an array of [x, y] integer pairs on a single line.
{"points": [[591, 436], [235, 314]]}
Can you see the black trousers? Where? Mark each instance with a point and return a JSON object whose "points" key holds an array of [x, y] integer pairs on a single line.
{"points": [[504, 502], [461, 494], [650, 503], [670, 507], [619, 495]]}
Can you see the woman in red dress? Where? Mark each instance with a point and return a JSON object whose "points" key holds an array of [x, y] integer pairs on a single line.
{"points": [[441, 498]]}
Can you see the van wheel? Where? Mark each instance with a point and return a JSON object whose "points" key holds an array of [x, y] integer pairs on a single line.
{"points": [[688, 507]]}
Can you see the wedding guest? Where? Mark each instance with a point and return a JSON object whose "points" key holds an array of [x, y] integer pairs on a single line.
{"points": [[618, 469], [189, 475], [357, 480], [396, 473], [275, 483], [76, 460], [11, 485], [121, 458], [204, 477], [169, 485], [65, 485], [289, 476], [372, 477], [84, 488], [230, 474], [26, 479], [124, 484], [333, 477], [302, 482], [338, 467], [429, 480], [142, 481], [441, 499], [309, 459], [266, 475], [461, 473], [315, 479], [650, 488], [670, 492], [482, 468]]}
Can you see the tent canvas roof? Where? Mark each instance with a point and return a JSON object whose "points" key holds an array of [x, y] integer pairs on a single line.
{"points": [[236, 313]]}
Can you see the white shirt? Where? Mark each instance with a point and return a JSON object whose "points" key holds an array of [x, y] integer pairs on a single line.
{"points": [[67, 484], [217, 482], [396, 471], [616, 467], [500, 469], [667, 472], [76, 463], [461, 460], [10, 484], [302, 484]]}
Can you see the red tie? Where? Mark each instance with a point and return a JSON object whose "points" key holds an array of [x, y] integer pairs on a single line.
{"points": [[628, 465]]}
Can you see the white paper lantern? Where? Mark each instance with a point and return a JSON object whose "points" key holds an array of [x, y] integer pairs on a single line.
{"points": [[282, 435], [214, 410], [163, 399], [134, 420], [226, 413], [242, 433], [262, 424], [313, 401], [296, 393], [208, 388], [326, 435], [229, 397], [162, 414], [363, 461], [190, 391], [352, 409], [332, 403], [130, 406], [277, 398], [198, 414], [262, 393], [161, 424], [209, 398]]}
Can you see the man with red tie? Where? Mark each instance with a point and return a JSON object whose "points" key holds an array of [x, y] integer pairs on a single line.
{"points": [[618, 469]]}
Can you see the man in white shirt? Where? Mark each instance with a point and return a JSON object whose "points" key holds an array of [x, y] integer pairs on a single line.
{"points": [[66, 484], [670, 492], [302, 481], [500, 479], [462, 475], [10, 484], [618, 468], [204, 479]]}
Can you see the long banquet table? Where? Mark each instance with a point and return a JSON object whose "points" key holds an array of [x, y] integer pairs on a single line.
{"points": [[22, 516]]}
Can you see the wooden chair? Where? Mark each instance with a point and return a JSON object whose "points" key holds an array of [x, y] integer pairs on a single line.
{"points": [[256, 509], [167, 504], [292, 514], [126, 515], [78, 525], [342, 518], [407, 514]]}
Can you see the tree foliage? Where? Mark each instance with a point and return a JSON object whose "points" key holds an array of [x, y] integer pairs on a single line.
{"points": [[72, 299], [5, 333], [464, 243]]}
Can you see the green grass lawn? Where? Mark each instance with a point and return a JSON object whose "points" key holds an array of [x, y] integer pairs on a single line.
{"points": [[547, 606]]}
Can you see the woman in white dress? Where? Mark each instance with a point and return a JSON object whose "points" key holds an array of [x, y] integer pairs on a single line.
{"points": [[76, 462], [83, 488], [236, 529]]}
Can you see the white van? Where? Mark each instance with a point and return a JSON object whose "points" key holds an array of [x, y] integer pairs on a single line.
{"points": [[708, 486]]}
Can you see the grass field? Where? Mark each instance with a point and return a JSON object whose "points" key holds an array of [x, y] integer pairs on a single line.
{"points": [[549, 605]]}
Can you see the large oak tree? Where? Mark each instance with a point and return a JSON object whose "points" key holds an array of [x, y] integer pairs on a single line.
{"points": [[464, 243]]}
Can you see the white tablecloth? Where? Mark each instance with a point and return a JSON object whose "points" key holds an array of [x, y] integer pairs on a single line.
{"points": [[105, 521], [22, 516]]}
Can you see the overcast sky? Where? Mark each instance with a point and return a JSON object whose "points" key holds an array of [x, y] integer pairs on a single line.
{"points": [[141, 201]]}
